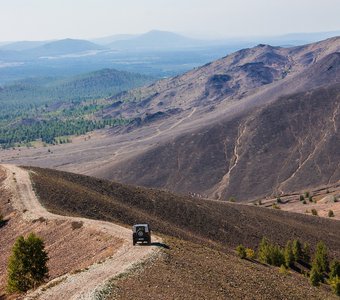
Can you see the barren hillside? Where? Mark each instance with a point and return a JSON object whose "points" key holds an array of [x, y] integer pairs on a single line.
{"points": [[212, 129], [199, 260], [83, 254]]}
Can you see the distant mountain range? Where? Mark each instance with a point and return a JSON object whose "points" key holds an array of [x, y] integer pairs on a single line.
{"points": [[63, 47], [263, 121], [155, 53], [154, 40]]}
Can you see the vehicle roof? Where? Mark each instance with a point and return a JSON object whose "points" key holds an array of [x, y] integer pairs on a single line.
{"points": [[135, 225]]}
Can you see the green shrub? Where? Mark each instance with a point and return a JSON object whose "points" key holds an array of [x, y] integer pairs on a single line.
{"points": [[335, 284], [314, 212], [297, 250], [275, 206], [330, 213], [320, 262], [283, 270], [289, 255], [315, 277], [334, 269], [310, 198], [232, 199], [278, 200], [27, 265], [302, 198], [241, 251], [263, 251], [307, 194], [304, 202], [250, 253], [270, 254], [306, 252]]}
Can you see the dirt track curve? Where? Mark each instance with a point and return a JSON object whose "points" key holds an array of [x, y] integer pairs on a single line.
{"points": [[87, 284]]}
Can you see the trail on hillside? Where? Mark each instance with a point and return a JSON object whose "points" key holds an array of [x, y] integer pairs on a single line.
{"points": [[89, 283]]}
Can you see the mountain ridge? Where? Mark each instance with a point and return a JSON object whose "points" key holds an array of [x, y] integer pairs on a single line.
{"points": [[193, 133]]}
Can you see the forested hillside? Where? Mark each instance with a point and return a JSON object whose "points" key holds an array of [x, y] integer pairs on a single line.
{"points": [[57, 107]]}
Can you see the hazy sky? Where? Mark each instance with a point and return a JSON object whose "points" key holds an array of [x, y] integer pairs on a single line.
{"points": [[51, 19]]}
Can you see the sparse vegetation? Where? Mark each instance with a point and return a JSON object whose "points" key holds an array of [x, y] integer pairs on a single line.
{"points": [[330, 213], [302, 198], [289, 255], [306, 252], [314, 212], [315, 277], [250, 253], [297, 250], [76, 225], [294, 255], [241, 251], [335, 285], [334, 269], [232, 199], [27, 265], [283, 270], [320, 264], [270, 253], [275, 206]]}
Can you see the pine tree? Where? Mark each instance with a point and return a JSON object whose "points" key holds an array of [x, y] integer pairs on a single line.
{"points": [[263, 251], [297, 250], [321, 258], [306, 252], [27, 265], [241, 251], [334, 269], [289, 255], [315, 277]]}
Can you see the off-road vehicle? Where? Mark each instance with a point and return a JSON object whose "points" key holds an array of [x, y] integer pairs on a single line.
{"points": [[141, 233]]}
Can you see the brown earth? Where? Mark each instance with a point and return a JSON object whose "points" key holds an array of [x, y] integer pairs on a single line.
{"points": [[285, 146], [88, 252], [190, 271], [215, 223], [324, 199], [70, 248], [198, 260]]}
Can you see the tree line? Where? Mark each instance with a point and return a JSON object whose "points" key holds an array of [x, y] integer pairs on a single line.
{"points": [[48, 130]]}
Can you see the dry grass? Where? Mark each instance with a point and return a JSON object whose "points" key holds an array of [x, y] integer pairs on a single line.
{"points": [[191, 271], [210, 222], [199, 263]]}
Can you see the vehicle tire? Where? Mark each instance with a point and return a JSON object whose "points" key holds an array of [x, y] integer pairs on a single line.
{"points": [[149, 241], [133, 242]]}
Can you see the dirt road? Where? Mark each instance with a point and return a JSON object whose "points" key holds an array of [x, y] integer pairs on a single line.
{"points": [[91, 282]]}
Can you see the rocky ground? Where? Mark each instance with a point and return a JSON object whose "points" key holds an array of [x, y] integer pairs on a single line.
{"points": [[83, 253]]}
